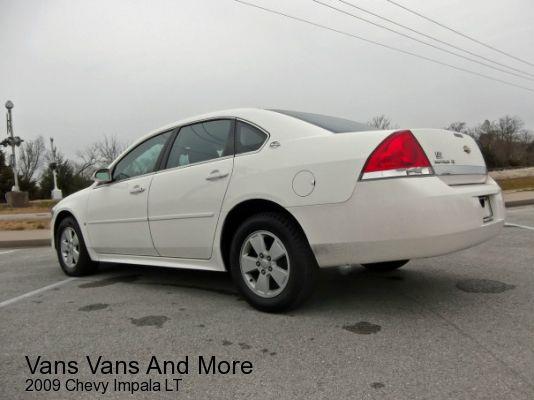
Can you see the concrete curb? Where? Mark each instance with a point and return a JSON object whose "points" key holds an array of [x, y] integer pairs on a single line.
{"points": [[14, 244], [518, 203]]}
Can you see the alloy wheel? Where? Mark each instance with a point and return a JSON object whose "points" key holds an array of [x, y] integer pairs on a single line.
{"points": [[264, 263], [70, 247]]}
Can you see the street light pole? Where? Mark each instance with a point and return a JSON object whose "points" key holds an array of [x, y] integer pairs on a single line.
{"points": [[57, 194], [13, 142]]}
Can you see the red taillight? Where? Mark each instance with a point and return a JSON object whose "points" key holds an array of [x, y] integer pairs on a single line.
{"points": [[400, 154]]}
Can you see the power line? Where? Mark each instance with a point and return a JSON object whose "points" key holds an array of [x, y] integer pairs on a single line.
{"points": [[420, 41], [433, 37], [382, 45], [460, 33]]}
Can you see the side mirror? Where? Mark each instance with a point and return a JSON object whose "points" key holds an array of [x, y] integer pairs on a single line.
{"points": [[102, 175]]}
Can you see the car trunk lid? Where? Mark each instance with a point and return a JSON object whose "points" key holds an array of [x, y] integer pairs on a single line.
{"points": [[455, 157]]}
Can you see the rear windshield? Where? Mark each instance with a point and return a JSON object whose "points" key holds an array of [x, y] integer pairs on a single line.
{"points": [[332, 124]]}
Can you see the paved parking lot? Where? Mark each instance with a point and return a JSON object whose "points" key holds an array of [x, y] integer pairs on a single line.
{"points": [[453, 327]]}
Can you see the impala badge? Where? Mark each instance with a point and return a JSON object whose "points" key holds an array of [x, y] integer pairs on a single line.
{"points": [[438, 154], [467, 149]]}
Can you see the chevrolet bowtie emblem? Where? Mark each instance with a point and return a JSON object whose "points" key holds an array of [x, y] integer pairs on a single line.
{"points": [[467, 149]]}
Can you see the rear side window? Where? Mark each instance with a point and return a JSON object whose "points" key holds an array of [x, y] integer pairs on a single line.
{"points": [[248, 138], [200, 142]]}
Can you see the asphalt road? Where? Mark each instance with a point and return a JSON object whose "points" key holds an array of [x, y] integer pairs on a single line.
{"points": [[459, 326]]}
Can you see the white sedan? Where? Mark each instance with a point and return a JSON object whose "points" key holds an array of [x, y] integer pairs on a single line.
{"points": [[274, 195]]}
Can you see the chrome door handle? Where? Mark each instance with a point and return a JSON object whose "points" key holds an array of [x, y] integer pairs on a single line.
{"points": [[137, 189], [214, 175]]}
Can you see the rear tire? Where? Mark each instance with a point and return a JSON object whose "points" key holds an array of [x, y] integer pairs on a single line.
{"points": [[271, 262], [71, 251], [386, 266]]}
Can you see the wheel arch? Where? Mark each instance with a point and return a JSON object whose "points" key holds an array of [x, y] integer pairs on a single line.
{"points": [[60, 217], [239, 213]]}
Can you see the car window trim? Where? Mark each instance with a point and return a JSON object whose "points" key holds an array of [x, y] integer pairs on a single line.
{"points": [[168, 145], [162, 171], [158, 162], [267, 137], [164, 166], [164, 156]]}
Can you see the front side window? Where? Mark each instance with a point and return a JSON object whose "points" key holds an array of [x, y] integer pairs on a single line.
{"points": [[202, 142], [248, 138], [142, 159]]}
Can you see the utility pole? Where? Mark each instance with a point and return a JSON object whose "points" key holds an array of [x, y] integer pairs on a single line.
{"points": [[15, 198], [56, 192], [13, 141]]}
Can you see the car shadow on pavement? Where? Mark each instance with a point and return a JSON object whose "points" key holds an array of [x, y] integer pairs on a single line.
{"points": [[219, 282], [340, 289]]}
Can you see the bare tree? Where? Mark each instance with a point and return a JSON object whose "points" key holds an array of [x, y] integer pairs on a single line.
{"points": [[487, 140], [526, 137], [504, 142], [87, 160], [109, 149], [98, 155], [509, 130], [457, 127], [31, 157], [381, 122]]}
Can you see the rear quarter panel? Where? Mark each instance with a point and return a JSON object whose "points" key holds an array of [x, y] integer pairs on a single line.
{"points": [[335, 160]]}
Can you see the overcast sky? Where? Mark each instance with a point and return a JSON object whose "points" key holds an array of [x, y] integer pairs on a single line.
{"points": [[79, 69]]}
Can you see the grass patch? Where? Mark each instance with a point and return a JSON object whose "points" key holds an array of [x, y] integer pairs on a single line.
{"points": [[24, 225], [44, 203], [523, 183], [35, 206]]}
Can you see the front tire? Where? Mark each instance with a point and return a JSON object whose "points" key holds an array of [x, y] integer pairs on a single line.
{"points": [[271, 262], [386, 266], [71, 251]]}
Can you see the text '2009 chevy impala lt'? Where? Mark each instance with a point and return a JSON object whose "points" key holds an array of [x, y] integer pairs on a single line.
{"points": [[274, 195]]}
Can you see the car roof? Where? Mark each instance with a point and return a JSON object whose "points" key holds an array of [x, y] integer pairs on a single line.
{"points": [[275, 123], [245, 113], [263, 118]]}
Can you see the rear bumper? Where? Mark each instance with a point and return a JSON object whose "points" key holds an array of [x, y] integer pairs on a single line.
{"points": [[397, 219]]}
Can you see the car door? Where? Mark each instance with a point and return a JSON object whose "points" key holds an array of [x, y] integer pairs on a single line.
{"points": [[185, 199], [117, 219]]}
